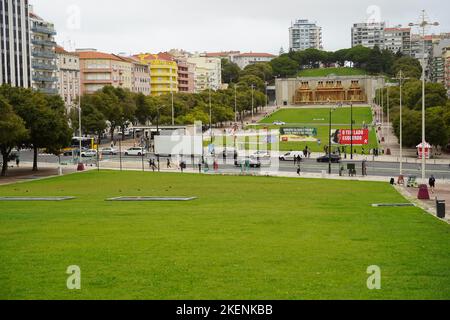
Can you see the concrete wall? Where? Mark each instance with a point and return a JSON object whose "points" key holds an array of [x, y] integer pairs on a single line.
{"points": [[286, 88]]}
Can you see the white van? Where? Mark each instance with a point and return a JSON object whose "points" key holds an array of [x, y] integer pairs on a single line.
{"points": [[291, 155]]}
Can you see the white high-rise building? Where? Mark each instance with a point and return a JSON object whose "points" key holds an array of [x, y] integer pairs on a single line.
{"points": [[398, 39], [43, 61], [304, 34], [15, 64], [208, 72], [368, 34]]}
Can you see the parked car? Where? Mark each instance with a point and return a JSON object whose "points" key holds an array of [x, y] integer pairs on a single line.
{"points": [[109, 151], [291, 155], [136, 152], [91, 153], [279, 123], [325, 159], [261, 155], [254, 163]]}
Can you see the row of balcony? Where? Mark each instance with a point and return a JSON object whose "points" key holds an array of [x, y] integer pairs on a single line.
{"points": [[43, 30], [48, 90], [44, 54], [41, 78], [43, 66], [40, 42]]}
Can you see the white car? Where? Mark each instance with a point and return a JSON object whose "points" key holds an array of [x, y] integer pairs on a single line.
{"points": [[109, 151], [136, 152], [91, 153], [261, 155], [279, 123], [291, 155]]}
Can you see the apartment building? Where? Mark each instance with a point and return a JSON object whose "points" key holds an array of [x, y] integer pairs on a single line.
{"points": [[163, 72], [43, 55], [446, 57], [368, 34], [68, 75], [304, 34], [398, 39], [208, 72], [15, 62], [186, 75], [437, 61], [100, 69], [245, 59], [140, 76]]}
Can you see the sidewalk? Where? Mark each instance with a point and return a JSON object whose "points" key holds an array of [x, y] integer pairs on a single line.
{"points": [[442, 192], [25, 173]]}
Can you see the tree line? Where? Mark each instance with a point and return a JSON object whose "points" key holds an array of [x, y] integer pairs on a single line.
{"points": [[373, 61]]}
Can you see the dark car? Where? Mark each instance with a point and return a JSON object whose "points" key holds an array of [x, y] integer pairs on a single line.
{"points": [[325, 159]]}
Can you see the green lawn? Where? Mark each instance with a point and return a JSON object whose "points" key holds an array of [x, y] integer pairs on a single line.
{"points": [[244, 238], [319, 118], [325, 72]]}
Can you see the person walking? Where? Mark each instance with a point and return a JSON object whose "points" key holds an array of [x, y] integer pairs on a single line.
{"points": [[169, 166], [432, 183], [299, 170], [17, 161]]}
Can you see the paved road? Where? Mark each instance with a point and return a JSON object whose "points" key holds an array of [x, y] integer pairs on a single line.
{"points": [[381, 169]]}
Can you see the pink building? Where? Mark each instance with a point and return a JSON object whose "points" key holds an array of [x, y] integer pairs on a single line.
{"points": [[186, 71]]}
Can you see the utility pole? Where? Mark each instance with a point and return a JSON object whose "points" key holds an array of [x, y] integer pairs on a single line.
{"points": [[351, 130], [210, 110], [424, 25], [401, 78], [173, 109], [253, 100], [235, 103]]}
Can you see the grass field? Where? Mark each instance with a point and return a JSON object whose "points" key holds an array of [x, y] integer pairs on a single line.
{"points": [[325, 72], [244, 238], [320, 118]]}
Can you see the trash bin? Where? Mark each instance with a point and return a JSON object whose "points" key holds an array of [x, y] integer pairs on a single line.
{"points": [[440, 209]]}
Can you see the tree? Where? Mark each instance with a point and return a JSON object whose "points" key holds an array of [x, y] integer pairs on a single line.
{"points": [[284, 66], [410, 67], [359, 55], [230, 71], [375, 61], [12, 132], [262, 70], [437, 129], [248, 81], [142, 109]]}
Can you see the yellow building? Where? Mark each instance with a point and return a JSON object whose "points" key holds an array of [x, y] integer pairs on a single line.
{"points": [[163, 72]]}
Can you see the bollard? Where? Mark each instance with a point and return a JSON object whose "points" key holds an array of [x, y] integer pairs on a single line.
{"points": [[423, 192]]}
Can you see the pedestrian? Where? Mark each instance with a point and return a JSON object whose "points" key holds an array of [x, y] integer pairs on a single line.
{"points": [[299, 159], [295, 160], [432, 183], [17, 161], [169, 166], [299, 170], [199, 167]]}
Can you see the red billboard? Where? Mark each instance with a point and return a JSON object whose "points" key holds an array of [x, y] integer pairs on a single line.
{"points": [[360, 137]]}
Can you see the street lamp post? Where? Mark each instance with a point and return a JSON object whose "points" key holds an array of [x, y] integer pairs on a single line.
{"points": [[351, 129], [267, 95], [253, 100], [210, 110], [235, 103], [401, 78], [173, 109], [423, 24]]}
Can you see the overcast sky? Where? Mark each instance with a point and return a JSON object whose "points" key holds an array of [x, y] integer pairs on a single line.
{"points": [[134, 26]]}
